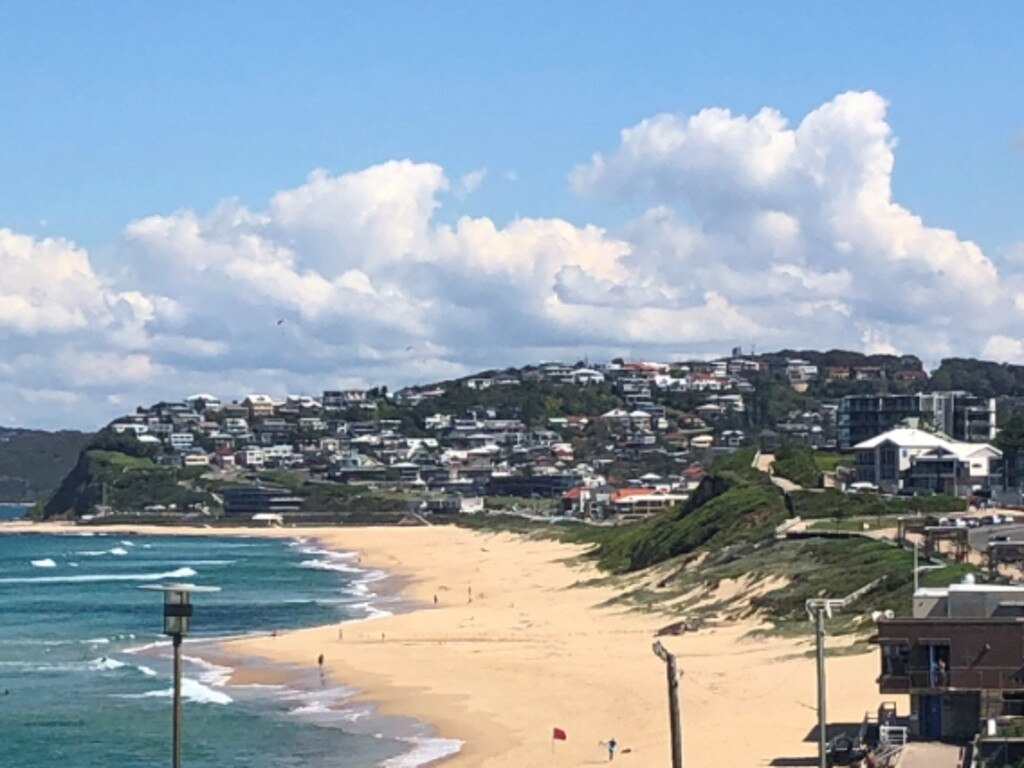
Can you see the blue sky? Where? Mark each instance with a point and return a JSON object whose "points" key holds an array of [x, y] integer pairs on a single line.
{"points": [[119, 113], [118, 110]]}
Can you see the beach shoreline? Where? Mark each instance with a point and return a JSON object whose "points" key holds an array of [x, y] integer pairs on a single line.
{"points": [[523, 640]]}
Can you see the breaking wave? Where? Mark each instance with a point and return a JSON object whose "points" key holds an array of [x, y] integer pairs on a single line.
{"points": [[179, 573]]}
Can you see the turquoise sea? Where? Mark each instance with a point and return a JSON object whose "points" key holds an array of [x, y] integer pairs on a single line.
{"points": [[10, 511], [85, 673]]}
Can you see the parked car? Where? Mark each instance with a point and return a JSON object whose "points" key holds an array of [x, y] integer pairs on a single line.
{"points": [[862, 487]]}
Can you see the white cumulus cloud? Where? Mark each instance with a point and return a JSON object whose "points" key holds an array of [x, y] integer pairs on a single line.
{"points": [[795, 221], [752, 229]]}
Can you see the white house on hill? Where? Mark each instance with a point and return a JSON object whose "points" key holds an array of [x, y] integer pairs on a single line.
{"points": [[913, 458]]}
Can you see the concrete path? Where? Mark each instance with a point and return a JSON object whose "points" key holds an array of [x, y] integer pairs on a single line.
{"points": [[927, 754], [763, 462]]}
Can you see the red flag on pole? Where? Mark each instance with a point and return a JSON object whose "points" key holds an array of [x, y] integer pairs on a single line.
{"points": [[558, 734]]}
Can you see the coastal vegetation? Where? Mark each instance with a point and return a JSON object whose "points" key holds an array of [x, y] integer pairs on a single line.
{"points": [[119, 472], [831, 461], [796, 462], [734, 504], [829, 502], [779, 576], [726, 532], [33, 462]]}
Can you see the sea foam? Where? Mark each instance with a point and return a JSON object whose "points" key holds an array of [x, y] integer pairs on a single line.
{"points": [[180, 573], [212, 674], [191, 690], [424, 750], [329, 565], [46, 562], [105, 664]]}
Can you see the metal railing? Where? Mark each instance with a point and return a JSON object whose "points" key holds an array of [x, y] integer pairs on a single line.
{"points": [[892, 736], [991, 678]]}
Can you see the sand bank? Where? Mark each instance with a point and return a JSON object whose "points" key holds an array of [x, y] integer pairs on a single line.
{"points": [[518, 644]]}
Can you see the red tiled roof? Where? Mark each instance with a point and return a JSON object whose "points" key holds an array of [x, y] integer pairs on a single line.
{"points": [[625, 493]]}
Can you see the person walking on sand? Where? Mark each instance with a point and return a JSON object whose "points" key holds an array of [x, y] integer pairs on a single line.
{"points": [[612, 746], [320, 663]]}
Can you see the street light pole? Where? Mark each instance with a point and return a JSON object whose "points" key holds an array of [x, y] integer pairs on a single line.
{"points": [[177, 616], [915, 572], [176, 706], [819, 633], [818, 608]]}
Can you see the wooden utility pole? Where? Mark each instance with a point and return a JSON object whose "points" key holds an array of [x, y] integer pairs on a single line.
{"points": [[675, 726]]}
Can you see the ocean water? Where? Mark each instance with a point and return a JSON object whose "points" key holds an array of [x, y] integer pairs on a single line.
{"points": [[85, 675], [9, 511]]}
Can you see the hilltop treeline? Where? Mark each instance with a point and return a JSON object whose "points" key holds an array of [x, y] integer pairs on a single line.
{"points": [[980, 377], [845, 358]]}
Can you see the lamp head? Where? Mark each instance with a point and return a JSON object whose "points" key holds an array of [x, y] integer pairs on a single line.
{"points": [[177, 612], [178, 605]]}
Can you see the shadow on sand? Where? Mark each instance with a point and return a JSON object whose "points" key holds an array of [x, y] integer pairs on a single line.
{"points": [[831, 731]]}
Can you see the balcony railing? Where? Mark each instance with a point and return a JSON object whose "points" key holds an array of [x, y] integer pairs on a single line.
{"points": [[958, 679]]}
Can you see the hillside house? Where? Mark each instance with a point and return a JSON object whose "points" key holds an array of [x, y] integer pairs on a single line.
{"points": [[181, 441], [800, 371], [640, 502], [203, 402], [251, 457], [342, 399], [912, 458], [122, 428], [199, 459], [438, 421], [258, 405], [507, 379], [586, 376]]}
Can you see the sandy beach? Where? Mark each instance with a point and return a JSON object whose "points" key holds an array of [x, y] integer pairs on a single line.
{"points": [[519, 643]]}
